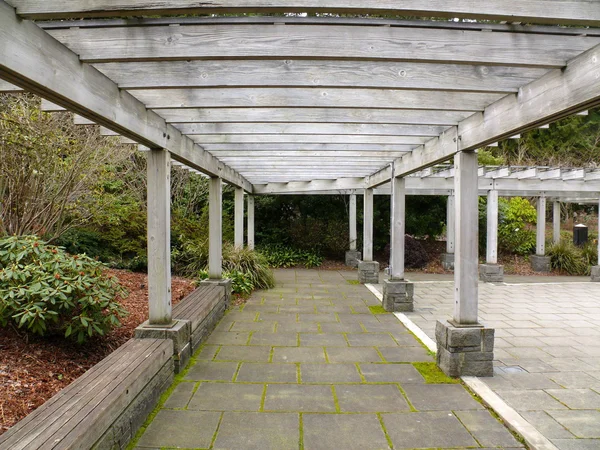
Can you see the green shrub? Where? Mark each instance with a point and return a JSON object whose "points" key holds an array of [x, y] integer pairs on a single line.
{"points": [[515, 233], [567, 258], [589, 253], [282, 256], [46, 291]]}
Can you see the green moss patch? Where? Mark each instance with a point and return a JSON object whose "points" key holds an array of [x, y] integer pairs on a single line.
{"points": [[432, 373], [377, 309], [354, 282]]}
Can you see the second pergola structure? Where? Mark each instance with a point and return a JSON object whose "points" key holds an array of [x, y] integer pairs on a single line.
{"points": [[330, 101]]}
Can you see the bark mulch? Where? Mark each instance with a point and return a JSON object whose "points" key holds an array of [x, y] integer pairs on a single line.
{"points": [[33, 369]]}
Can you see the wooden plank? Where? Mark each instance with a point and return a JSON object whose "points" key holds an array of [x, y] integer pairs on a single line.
{"points": [[308, 147], [304, 154], [6, 87], [364, 129], [311, 73], [198, 42], [302, 139], [35, 61], [314, 115], [313, 98], [532, 11]]}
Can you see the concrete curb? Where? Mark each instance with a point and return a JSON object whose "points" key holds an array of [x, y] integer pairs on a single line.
{"points": [[513, 420]]}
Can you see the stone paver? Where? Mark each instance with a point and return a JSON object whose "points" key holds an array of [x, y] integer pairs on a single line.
{"points": [[546, 353], [306, 365]]}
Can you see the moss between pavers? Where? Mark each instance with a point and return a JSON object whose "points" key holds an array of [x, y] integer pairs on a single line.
{"points": [[432, 373], [377, 309], [354, 282]]}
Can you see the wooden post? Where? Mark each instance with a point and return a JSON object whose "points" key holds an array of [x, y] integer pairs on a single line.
{"points": [[251, 222], [368, 225], [599, 232], [398, 205], [540, 236], [215, 229], [467, 218], [491, 256], [352, 214], [159, 237], [239, 218], [556, 222], [450, 224]]}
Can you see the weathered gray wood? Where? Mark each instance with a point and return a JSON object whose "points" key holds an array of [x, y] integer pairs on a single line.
{"points": [[33, 60], [556, 222], [239, 218], [8, 87], [312, 115], [301, 139], [310, 128], [533, 11], [259, 148], [250, 222], [368, 225], [318, 42], [215, 228], [352, 222], [450, 223], [371, 154], [260, 97], [540, 234], [299, 73], [466, 263], [491, 255], [159, 236], [398, 212]]}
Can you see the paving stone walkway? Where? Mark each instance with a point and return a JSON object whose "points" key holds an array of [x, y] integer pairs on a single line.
{"points": [[308, 365], [547, 349]]}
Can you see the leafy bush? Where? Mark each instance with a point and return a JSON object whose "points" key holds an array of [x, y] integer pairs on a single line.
{"points": [[415, 256], [589, 253], [47, 291], [282, 256], [516, 217], [568, 258]]}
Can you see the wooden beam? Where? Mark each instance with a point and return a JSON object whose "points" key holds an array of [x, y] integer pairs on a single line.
{"points": [[311, 73], [302, 139], [309, 147], [532, 11], [558, 94], [314, 115], [309, 128], [221, 154], [313, 98], [372, 43], [6, 87], [33, 60]]}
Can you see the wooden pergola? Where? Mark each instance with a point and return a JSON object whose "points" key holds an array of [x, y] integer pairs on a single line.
{"points": [[295, 103]]}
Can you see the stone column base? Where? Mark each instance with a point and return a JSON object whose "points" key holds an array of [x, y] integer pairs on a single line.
{"points": [[226, 283], [447, 261], [464, 351], [595, 273], [491, 273], [178, 331], [398, 295], [368, 272], [540, 263], [352, 258]]}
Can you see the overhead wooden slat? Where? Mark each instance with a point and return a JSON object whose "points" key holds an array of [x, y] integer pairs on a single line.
{"points": [[314, 115], [302, 73], [321, 42], [302, 139], [222, 154], [32, 59], [8, 87], [309, 128], [309, 147], [314, 97], [534, 11]]}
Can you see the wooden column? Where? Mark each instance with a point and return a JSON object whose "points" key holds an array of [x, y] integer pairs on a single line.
{"points": [[599, 232], [215, 229], [491, 256], [450, 224], [239, 218], [352, 216], [368, 225], [398, 206], [556, 222], [251, 222], [466, 260], [540, 236], [159, 236]]}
